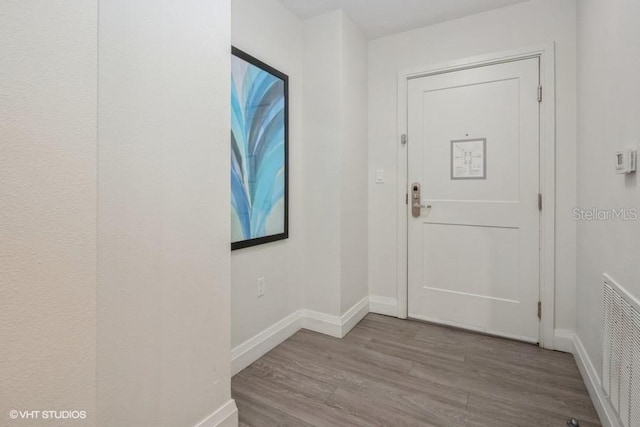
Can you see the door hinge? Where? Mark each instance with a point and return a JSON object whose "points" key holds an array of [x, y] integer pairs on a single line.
{"points": [[540, 93], [403, 139], [539, 201], [539, 309], [406, 198]]}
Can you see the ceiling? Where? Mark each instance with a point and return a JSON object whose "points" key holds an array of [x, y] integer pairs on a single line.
{"points": [[378, 18]]}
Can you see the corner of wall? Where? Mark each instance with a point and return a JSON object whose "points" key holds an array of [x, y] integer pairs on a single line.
{"points": [[225, 416]]}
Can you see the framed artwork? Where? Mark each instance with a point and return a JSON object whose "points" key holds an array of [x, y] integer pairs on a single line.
{"points": [[469, 159], [259, 152]]}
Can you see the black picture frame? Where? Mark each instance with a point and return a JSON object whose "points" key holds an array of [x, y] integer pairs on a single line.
{"points": [[243, 167]]}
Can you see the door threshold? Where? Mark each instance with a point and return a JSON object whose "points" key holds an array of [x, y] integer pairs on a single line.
{"points": [[474, 330]]}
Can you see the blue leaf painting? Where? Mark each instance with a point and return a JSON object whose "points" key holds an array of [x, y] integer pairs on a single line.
{"points": [[257, 152]]}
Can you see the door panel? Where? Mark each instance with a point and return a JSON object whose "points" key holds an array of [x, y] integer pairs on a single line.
{"points": [[471, 260], [474, 148], [450, 110]]}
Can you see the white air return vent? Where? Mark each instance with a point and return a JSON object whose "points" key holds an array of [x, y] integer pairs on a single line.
{"points": [[621, 352]]}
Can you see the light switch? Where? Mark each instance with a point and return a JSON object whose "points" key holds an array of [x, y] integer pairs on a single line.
{"points": [[379, 176]]}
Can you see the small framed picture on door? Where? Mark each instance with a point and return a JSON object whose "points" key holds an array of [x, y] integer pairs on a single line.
{"points": [[469, 159]]}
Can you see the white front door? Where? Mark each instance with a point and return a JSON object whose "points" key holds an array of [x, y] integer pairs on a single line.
{"points": [[473, 249]]}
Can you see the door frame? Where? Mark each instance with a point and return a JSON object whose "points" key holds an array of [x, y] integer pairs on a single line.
{"points": [[546, 54]]}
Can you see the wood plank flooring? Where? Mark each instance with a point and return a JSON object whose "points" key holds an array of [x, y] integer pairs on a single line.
{"points": [[392, 372]]}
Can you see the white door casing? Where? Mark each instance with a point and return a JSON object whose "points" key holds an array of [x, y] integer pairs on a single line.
{"points": [[473, 255]]}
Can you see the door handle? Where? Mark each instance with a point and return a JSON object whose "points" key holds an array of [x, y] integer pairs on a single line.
{"points": [[416, 205]]}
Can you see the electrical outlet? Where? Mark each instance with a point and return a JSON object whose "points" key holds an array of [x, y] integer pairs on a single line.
{"points": [[261, 286]]}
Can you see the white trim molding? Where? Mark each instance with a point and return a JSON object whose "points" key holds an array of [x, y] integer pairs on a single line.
{"points": [[568, 341], [383, 305], [225, 416], [322, 323], [564, 341], [333, 325], [546, 53], [255, 347], [336, 326], [354, 315], [605, 411]]}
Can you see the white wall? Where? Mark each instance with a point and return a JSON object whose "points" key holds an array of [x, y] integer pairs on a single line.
{"points": [[530, 23], [268, 31], [608, 112], [163, 212], [354, 156], [322, 167], [335, 166], [323, 264], [48, 86]]}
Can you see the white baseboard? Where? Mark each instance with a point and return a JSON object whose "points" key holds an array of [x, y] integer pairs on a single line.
{"points": [[383, 305], [225, 416], [336, 326], [322, 323], [563, 341], [254, 348], [333, 325], [567, 341], [354, 315], [607, 414]]}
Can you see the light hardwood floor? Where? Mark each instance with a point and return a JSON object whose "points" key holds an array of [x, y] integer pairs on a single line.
{"points": [[392, 372]]}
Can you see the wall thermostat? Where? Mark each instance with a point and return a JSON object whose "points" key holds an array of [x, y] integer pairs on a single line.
{"points": [[626, 160]]}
